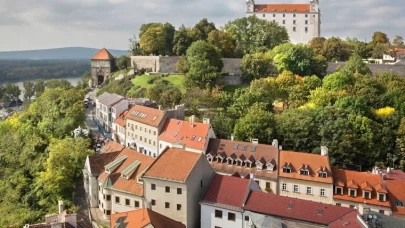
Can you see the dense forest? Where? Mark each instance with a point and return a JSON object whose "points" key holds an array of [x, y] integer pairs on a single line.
{"points": [[23, 70]]}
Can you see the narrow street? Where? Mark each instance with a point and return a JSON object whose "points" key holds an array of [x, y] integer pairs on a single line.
{"points": [[90, 125]]}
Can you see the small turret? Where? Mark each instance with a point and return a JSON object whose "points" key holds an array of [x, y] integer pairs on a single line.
{"points": [[250, 5]]}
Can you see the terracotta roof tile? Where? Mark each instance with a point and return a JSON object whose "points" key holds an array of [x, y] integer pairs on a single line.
{"points": [[352, 178], [366, 186], [183, 132], [301, 8], [97, 161], [146, 115], [103, 54], [311, 161], [348, 221], [131, 185], [251, 152], [394, 175], [379, 188], [301, 210], [396, 195], [144, 217], [173, 164]]}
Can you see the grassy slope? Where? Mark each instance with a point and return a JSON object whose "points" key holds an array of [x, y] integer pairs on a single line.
{"points": [[176, 80]]}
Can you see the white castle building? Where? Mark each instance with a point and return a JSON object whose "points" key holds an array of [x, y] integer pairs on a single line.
{"points": [[302, 21]]}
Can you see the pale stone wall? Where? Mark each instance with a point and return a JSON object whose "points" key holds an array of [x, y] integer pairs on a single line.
{"points": [[231, 65]]}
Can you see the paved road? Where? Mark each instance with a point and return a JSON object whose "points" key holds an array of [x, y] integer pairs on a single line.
{"points": [[89, 115]]}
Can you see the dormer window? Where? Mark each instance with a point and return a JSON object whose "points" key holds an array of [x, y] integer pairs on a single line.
{"points": [[304, 172], [210, 158], [322, 174], [366, 194], [352, 192], [381, 197], [239, 162], [270, 167], [248, 164], [286, 169], [229, 161], [338, 190], [259, 166]]}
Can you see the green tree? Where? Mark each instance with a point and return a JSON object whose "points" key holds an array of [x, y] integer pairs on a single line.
{"points": [[181, 65], [355, 64], [29, 90], [379, 50], [204, 64], [11, 92], [202, 29], [39, 87], [362, 49], [338, 81], [251, 33], [153, 41], [317, 43], [181, 41], [255, 66], [256, 124], [398, 41], [334, 49], [122, 62], [222, 124], [58, 83], [380, 38], [165, 94], [134, 46], [223, 41]]}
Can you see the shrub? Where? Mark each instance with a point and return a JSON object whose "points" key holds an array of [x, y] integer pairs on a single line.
{"points": [[150, 81]]}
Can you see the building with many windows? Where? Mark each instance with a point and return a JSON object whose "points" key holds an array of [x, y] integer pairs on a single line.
{"points": [[302, 21], [306, 176], [104, 104], [175, 183]]}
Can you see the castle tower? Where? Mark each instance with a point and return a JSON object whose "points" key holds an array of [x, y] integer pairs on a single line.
{"points": [[101, 66], [316, 20], [250, 6]]}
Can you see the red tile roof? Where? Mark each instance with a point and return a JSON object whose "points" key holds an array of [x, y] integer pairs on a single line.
{"points": [[360, 181], [301, 210], [183, 132], [173, 164], [112, 146], [396, 192], [103, 54], [394, 175], [120, 120], [144, 217], [348, 221], [301, 8], [131, 185], [246, 152], [227, 190], [97, 161], [314, 162], [146, 115]]}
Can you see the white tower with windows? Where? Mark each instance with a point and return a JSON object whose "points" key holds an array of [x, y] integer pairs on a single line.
{"points": [[302, 21]]}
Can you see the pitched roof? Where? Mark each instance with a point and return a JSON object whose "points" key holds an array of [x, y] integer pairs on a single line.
{"points": [[183, 132], [360, 181], [227, 191], [97, 161], [109, 99], [103, 54], [130, 185], [394, 175], [248, 151], [301, 8], [302, 210], [173, 164], [396, 193], [143, 217], [120, 120], [312, 161], [146, 115], [348, 221]]}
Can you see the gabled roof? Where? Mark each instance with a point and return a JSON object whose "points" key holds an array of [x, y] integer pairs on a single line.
{"points": [[130, 185], [251, 152], [97, 161], [103, 54], [184, 132], [142, 218], [394, 175], [312, 162], [367, 181], [145, 115], [301, 8], [109, 99], [295, 209], [227, 192], [396, 195], [173, 164]]}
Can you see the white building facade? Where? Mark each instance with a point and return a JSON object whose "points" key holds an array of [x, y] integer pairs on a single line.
{"points": [[302, 21]]}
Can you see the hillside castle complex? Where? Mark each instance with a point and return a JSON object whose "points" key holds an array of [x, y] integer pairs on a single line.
{"points": [[302, 21]]}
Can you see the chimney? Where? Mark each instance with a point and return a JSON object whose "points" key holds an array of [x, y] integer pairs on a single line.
{"points": [[206, 121], [60, 206], [192, 120], [275, 143], [252, 176], [388, 170], [160, 107], [232, 137], [280, 147], [255, 141], [324, 151]]}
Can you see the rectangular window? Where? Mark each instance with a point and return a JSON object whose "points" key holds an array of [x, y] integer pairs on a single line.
{"points": [[153, 186], [296, 189], [145, 140], [284, 187], [338, 204], [167, 205], [352, 193], [167, 189], [140, 128], [294, 22], [136, 204], [274, 15], [264, 15], [117, 199], [140, 138], [160, 145], [294, 15], [309, 190], [339, 191], [231, 216], [294, 29], [306, 15], [150, 132], [306, 29], [108, 212], [153, 202], [179, 191], [108, 197], [179, 207], [283, 15], [283, 22], [381, 197], [127, 202], [367, 195], [154, 132], [218, 214], [381, 211], [306, 22], [246, 218], [351, 206], [154, 143], [136, 127], [322, 192], [150, 141], [268, 185]]}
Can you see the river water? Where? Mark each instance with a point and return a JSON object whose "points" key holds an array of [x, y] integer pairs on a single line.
{"points": [[72, 81]]}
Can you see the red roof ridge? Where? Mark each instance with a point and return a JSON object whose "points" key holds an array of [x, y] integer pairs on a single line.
{"points": [[102, 54]]}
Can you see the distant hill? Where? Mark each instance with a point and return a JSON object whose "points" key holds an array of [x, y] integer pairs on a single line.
{"points": [[58, 53]]}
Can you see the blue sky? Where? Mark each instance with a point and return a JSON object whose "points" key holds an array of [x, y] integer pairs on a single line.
{"points": [[37, 24]]}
